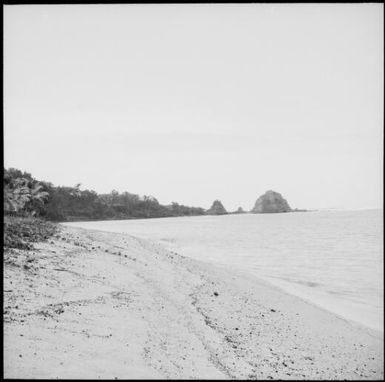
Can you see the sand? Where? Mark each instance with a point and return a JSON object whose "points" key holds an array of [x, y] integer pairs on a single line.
{"points": [[92, 304]]}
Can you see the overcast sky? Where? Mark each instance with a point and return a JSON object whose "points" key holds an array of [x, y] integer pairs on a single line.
{"points": [[192, 103]]}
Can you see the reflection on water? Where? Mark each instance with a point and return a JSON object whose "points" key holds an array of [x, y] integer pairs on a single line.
{"points": [[330, 257]]}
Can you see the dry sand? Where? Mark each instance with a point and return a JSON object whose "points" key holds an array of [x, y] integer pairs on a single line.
{"points": [[91, 304]]}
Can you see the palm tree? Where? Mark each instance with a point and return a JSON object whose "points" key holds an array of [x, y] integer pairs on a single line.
{"points": [[37, 195], [18, 194]]}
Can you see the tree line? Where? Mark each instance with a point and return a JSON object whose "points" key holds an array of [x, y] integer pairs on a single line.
{"points": [[26, 196]]}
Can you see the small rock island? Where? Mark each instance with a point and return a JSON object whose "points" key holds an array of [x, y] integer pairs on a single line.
{"points": [[217, 208], [271, 202]]}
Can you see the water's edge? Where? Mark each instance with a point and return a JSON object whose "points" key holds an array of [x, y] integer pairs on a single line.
{"points": [[331, 259]]}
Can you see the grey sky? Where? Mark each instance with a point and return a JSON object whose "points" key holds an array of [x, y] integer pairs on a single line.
{"points": [[191, 103]]}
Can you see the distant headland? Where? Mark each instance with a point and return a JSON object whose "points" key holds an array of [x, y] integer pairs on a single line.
{"points": [[270, 202]]}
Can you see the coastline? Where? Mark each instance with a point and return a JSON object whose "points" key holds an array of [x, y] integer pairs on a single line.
{"points": [[89, 304], [344, 281]]}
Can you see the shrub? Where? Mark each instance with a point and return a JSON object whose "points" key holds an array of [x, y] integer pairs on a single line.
{"points": [[21, 232]]}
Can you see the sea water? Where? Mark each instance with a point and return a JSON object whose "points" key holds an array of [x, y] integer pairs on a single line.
{"points": [[331, 258]]}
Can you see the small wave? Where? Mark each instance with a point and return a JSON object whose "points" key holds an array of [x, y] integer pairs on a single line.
{"points": [[167, 239], [311, 284]]}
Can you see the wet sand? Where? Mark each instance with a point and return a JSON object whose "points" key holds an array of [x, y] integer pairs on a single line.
{"points": [[92, 304]]}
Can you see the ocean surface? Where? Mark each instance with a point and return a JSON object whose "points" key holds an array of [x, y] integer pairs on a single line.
{"points": [[331, 258]]}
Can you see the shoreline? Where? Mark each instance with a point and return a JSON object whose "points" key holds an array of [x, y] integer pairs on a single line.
{"points": [[99, 304], [363, 308], [354, 312]]}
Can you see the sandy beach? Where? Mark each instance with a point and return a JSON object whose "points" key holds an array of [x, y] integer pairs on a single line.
{"points": [[92, 304]]}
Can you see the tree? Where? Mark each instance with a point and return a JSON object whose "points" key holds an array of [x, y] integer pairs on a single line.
{"points": [[19, 197], [24, 194]]}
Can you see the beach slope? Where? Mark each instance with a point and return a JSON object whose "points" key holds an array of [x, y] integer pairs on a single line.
{"points": [[92, 304]]}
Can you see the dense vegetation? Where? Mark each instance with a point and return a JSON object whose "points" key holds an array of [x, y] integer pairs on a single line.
{"points": [[23, 198], [26, 196]]}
